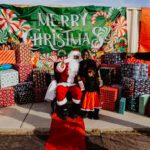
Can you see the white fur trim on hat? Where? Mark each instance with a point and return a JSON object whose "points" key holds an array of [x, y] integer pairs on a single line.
{"points": [[74, 53]]}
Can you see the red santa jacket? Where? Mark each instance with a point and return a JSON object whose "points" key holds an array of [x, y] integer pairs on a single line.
{"points": [[65, 76]]}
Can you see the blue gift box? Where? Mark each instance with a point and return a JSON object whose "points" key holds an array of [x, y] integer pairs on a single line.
{"points": [[135, 71], [122, 105]]}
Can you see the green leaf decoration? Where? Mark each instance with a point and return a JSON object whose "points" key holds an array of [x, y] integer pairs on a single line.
{"points": [[114, 13], [103, 32], [13, 39], [3, 36], [123, 11]]}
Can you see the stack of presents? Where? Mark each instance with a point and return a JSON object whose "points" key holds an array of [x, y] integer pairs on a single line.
{"points": [[19, 82], [126, 85]]}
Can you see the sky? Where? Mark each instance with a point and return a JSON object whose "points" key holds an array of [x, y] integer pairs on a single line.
{"points": [[112, 3]]}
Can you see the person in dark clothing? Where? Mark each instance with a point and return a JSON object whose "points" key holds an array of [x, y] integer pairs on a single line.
{"points": [[85, 64], [88, 73], [91, 100]]}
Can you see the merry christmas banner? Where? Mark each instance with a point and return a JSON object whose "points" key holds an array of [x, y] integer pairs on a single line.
{"points": [[53, 32]]}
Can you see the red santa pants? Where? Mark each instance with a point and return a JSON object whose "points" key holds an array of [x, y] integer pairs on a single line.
{"points": [[61, 92]]}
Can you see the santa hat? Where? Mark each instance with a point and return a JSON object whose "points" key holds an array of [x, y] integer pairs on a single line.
{"points": [[75, 52]]}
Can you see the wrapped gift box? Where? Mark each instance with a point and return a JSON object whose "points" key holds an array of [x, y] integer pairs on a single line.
{"points": [[23, 53], [143, 100], [8, 78], [147, 111], [135, 71], [144, 71], [113, 58], [142, 86], [109, 75], [122, 105], [39, 94], [24, 87], [128, 85], [132, 104], [116, 72], [108, 106], [25, 72], [24, 97], [7, 97], [108, 96], [40, 78], [7, 57], [131, 70], [106, 75], [116, 66], [119, 87]]}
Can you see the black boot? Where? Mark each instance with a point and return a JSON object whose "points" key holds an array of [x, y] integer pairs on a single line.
{"points": [[74, 110], [90, 114], [62, 112], [96, 114], [53, 106], [83, 114]]}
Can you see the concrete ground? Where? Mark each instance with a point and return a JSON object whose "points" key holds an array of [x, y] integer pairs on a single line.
{"points": [[35, 118]]}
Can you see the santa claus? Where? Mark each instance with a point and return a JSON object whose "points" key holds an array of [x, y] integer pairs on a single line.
{"points": [[68, 70]]}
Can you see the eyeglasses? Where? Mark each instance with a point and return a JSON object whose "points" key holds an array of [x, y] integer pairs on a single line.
{"points": [[90, 71], [76, 57], [85, 54]]}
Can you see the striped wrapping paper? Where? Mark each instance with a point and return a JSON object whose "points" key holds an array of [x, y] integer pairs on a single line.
{"points": [[108, 96], [25, 72], [7, 97], [23, 53], [7, 57]]}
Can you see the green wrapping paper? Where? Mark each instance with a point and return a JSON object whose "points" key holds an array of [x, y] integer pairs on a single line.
{"points": [[122, 105], [143, 102]]}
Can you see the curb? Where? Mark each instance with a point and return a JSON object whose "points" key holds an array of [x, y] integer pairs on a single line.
{"points": [[88, 132], [27, 131]]}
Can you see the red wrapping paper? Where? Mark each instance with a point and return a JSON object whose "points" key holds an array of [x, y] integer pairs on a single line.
{"points": [[7, 97], [25, 72]]}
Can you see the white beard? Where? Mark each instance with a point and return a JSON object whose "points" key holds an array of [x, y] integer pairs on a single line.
{"points": [[73, 69]]}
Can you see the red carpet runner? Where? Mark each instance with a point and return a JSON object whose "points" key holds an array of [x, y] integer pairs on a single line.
{"points": [[66, 134]]}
